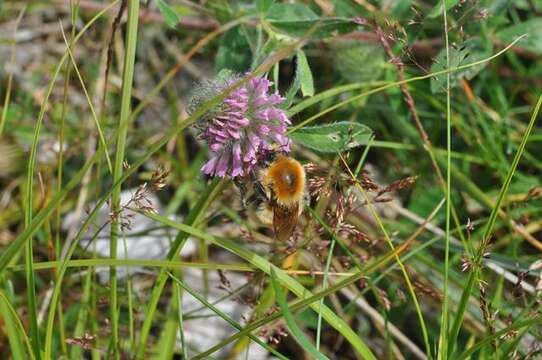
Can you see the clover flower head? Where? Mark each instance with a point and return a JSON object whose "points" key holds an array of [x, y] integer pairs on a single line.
{"points": [[247, 124]]}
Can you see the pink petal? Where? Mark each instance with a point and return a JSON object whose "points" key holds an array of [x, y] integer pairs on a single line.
{"points": [[261, 100], [209, 167], [274, 99], [216, 146], [234, 134], [237, 167], [223, 164], [243, 121]]}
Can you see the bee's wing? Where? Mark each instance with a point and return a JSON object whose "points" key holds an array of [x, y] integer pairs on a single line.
{"points": [[284, 221]]}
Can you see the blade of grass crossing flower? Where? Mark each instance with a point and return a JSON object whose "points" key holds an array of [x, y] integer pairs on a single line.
{"points": [[443, 340], [183, 61], [124, 118], [297, 333], [489, 230], [264, 265], [224, 316], [8, 254], [4, 258], [15, 330]]}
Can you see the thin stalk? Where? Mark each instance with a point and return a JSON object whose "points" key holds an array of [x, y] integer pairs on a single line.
{"points": [[29, 256], [60, 159], [443, 350], [131, 330], [324, 285], [178, 293], [126, 98], [15, 330], [89, 101]]}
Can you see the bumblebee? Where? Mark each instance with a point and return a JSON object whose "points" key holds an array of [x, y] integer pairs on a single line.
{"points": [[279, 192]]}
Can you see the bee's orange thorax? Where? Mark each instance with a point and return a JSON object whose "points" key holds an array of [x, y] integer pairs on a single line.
{"points": [[286, 177]]}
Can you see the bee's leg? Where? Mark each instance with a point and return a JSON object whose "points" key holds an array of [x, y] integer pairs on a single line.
{"points": [[260, 190], [242, 191]]}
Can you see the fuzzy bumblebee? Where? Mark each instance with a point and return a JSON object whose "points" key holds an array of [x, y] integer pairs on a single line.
{"points": [[283, 185]]}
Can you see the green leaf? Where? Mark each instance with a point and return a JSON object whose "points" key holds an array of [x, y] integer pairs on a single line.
{"points": [[472, 50], [233, 52], [349, 54], [297, 333], [170, 16], [331, 138], [305, 74], [287, 13], [297, 19], [532, 42]]}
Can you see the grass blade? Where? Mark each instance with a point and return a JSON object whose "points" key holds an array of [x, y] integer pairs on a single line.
{"points": [[443, 338], [298, 334], [15, 330], [124, 120]]}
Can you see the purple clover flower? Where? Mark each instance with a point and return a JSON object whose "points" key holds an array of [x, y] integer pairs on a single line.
{"points": [[246, 125]]}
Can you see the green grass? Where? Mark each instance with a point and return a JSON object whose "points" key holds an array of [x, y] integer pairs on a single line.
{"points": [[379, 267]]}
